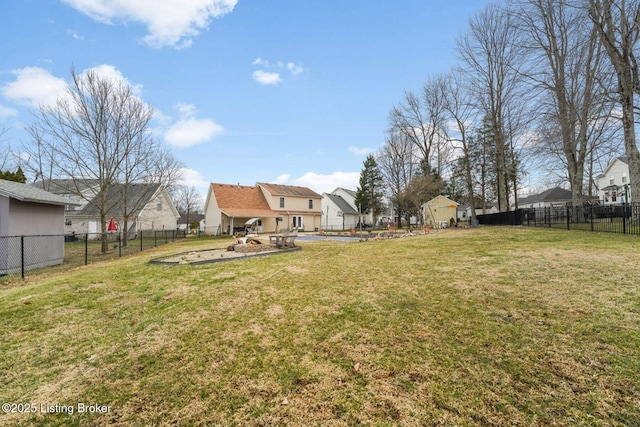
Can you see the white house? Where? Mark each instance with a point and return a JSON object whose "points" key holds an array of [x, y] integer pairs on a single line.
{"points": [[614, 182], [38, 216], [337, 212]]}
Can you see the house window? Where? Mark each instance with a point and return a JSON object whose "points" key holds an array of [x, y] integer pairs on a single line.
{"points": [[624, 177], [310, 203], [297, 222], [67, 221], [282, 202], [614, 197], [160, 205], [611, 179]]}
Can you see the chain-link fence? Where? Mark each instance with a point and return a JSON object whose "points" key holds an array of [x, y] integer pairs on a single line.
{"points": [[21, 254]]}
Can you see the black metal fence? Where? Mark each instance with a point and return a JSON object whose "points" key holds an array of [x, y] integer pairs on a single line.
{"points": [[623, 219], [20, 254]]}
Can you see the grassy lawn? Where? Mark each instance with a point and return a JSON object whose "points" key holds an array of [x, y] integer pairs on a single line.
{"points": [[488, 326]]}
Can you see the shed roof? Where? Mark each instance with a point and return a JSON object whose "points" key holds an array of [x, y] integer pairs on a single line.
{"points": [[27, 193]]}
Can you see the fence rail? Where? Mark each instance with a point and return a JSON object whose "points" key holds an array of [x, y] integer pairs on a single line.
{"points": [[623, 218], [20, 254]]}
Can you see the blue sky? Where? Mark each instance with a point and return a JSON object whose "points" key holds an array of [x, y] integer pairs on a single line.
{"points": [[283, 91]]}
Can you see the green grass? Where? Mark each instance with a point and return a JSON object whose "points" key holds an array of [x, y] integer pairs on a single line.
{"points": [[489, 326]]}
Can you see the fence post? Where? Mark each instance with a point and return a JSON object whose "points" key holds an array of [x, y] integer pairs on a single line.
{"points": [[591, 215], [120, 236], [22, 255], [155, 238], [624, 217], [140, 234], [568, 218], [86, 248]]}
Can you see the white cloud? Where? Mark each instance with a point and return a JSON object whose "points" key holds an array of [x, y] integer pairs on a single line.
{"points": [[361, 151], [261, 62], [6, 112], [188, 130], [321, 183], [266, 78], [192, 131], [191, 177], [295, 69], [282, 179], [173, 23], [34, 87], [75, 35]]}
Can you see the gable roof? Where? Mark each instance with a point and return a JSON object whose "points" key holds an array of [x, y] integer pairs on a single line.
{"points": [[241, 200], [341, 203], [442, 201], [346, 190], [27, 193], [550, 195], [623, 159], [66, 186], [137, 197], [288, 190]]}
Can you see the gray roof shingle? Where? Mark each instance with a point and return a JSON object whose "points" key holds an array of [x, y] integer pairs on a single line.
{"points": [[27, 193]]}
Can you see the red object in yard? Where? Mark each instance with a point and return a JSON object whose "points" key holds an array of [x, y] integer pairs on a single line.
{"points": [[112, 225]]}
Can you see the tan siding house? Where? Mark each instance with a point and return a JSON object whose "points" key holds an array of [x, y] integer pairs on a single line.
{"points": [[299, 207], [267, 207]]}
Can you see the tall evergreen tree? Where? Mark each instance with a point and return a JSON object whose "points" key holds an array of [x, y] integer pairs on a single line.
{"points": [[370, 191]]}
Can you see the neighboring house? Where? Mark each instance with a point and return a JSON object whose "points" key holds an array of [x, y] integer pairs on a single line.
{"points": [[184, 223], [464, 212], [79, 191], [338, 213], [39, 216], [439, 211], [350, 197], [147, 206], [614, 182], [263, 207], [298, 206], [548, 198]]}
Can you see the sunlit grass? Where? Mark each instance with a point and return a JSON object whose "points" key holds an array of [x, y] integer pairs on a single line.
{"points": [[490, 326]]}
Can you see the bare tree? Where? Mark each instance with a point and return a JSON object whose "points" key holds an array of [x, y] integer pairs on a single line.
{"points": [[188, 201], [98, 131], [421, 120], [566, 66], [617, 23], [398, 163], [492, 65], [460, 108]]}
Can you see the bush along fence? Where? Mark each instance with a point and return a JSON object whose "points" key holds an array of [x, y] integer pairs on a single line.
{"points": [[623, 218], [20, 254]]}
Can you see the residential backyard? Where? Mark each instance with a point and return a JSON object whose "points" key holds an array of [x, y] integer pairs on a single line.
{"points": [[486, 326]]}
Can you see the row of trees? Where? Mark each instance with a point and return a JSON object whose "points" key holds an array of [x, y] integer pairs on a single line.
{"points": [[542, 84], [17, 176]]}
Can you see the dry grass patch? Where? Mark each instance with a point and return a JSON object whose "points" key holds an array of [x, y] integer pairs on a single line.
{"points": [[466, 327]]}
